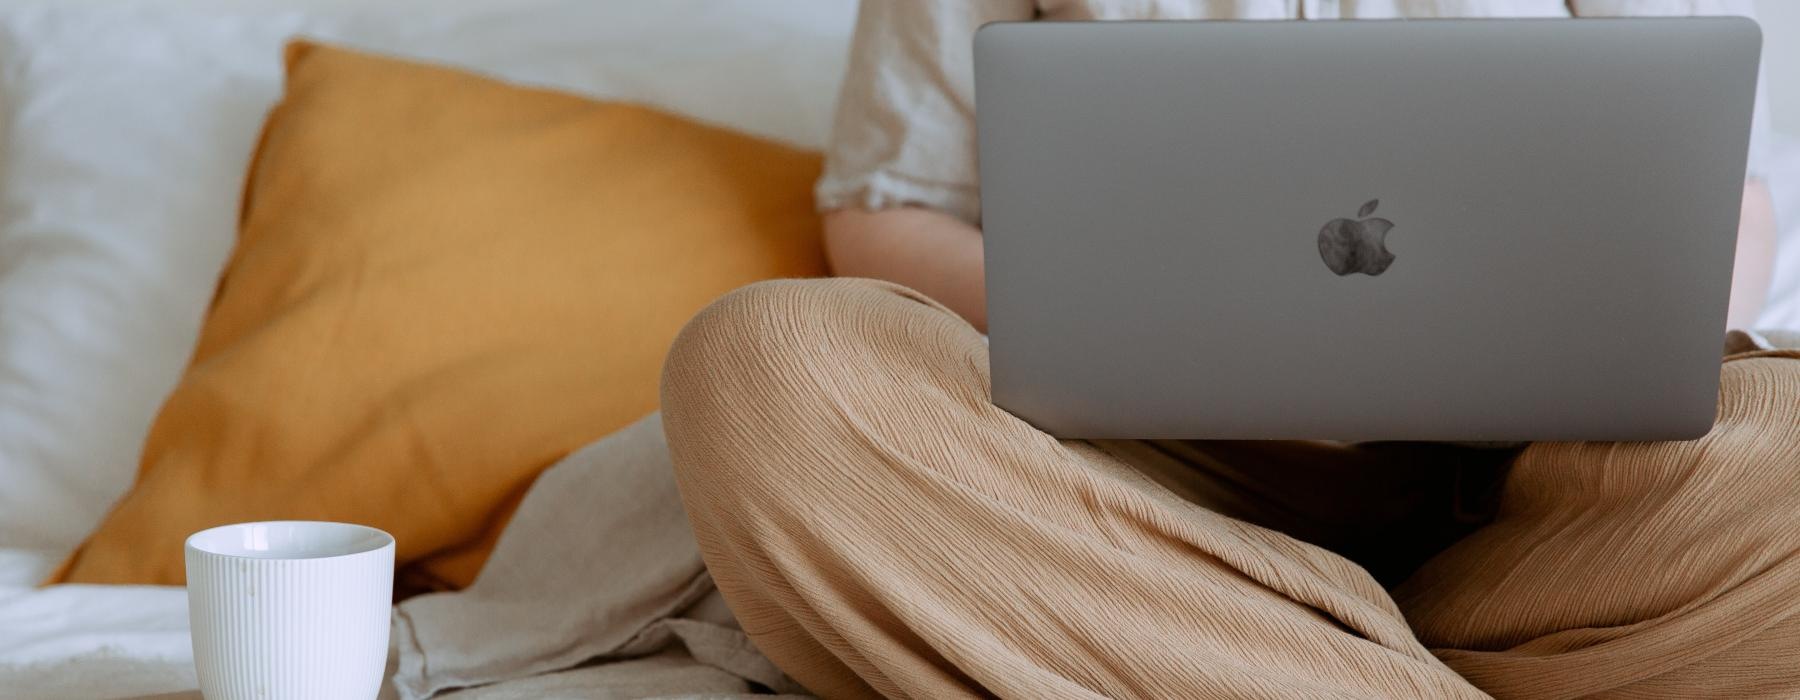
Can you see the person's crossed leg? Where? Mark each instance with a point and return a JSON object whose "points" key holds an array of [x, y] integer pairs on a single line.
{"points": [[879, 526]]}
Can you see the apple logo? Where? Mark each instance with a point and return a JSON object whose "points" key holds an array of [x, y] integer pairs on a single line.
{"points": [[1349, 246]]}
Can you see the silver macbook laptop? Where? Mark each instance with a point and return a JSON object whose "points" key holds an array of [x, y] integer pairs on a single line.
{"points": [[1410, 230]]}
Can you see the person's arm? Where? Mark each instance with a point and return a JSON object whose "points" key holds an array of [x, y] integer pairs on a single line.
{"points": [[940, 255], [925, 249], [1755, 260], [1755, 263], [899, 192]]}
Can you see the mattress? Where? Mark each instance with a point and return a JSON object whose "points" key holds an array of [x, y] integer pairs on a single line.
{"points": [[88, 641]]}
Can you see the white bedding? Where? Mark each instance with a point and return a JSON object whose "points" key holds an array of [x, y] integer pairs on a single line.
{"points": [[94, 642], [125, 126], [124, 129], [88, 641]]}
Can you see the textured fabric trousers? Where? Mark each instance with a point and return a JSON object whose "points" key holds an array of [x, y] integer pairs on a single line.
{"points": [[880, 528]]}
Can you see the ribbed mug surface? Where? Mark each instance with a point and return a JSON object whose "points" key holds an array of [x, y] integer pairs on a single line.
{"points": [[290, 610]]}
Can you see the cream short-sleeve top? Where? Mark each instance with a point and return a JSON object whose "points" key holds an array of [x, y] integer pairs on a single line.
{"points": [[904, 134]]}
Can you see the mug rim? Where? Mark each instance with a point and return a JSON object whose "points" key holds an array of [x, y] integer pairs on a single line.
{"points": [[382, 540]]}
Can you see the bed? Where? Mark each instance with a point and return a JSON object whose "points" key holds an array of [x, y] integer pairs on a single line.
{"points": [[107, 260], [116, 229]]}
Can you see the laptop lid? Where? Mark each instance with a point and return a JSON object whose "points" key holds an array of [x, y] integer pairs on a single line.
{"points": [[1362, 230]]}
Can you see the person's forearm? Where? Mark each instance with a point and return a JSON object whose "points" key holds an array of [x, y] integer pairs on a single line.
{"points": [[927, 250], [940, 255], [1755, 256]]}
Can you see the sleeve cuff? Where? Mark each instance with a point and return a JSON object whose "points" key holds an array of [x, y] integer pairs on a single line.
{"points": [[884, 190]]}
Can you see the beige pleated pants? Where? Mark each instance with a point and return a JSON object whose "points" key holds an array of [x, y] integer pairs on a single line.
{"points": [[880, 528]]}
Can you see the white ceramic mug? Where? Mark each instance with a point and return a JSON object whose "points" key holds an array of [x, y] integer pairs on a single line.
{"points": [[290, 610]]}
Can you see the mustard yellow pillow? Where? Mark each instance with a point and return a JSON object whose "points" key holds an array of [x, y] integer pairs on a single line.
{"points": [[442, 285]]}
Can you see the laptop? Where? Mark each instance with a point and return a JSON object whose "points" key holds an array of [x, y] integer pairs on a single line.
{"points": [[1467, 230]]}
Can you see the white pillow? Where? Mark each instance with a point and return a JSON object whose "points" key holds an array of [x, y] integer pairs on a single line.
{"points": [[125, 128]]}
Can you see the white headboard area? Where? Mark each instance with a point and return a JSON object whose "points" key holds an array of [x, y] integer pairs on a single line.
{"points": [[1781, 61]]}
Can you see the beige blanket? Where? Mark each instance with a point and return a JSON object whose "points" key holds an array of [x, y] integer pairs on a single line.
{"points": [[598, 569]]}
